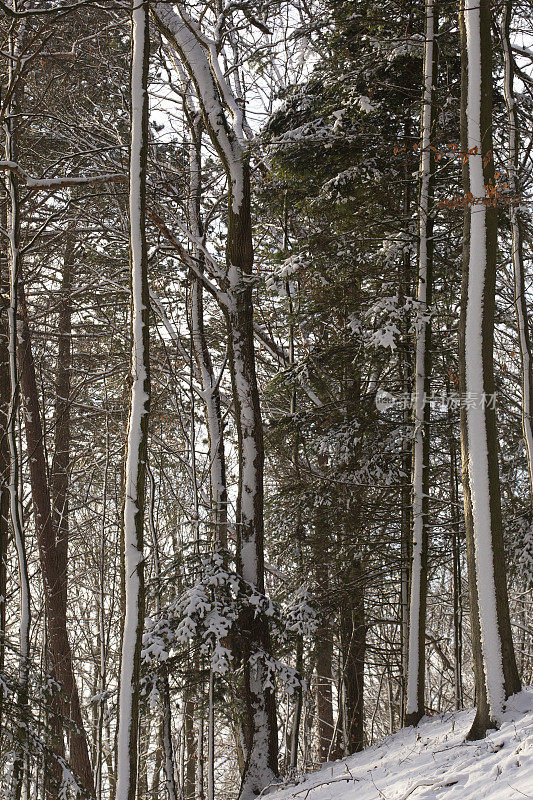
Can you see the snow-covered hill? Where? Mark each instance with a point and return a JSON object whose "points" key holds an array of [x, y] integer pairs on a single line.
{"points": [[434, 762]]}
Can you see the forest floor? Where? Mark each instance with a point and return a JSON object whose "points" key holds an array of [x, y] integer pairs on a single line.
{"points": [[434, 762]]}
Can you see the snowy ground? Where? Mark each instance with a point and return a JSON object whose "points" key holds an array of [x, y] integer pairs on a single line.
{"points": [[433, 762]]}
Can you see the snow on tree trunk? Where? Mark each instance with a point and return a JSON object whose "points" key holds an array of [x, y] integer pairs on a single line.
{"points": [[496, 675], [136, 445], [260, 725], [513, 180], [210, 388], [15, 504], [5, 396], [406, 382], [415, 708], [163, 682], [214, 97]]}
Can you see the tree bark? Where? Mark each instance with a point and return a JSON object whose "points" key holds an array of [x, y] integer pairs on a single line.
{"points": [[495, 672], [4, 442], [191, 748], [137, 437], [513, 180], [15, 504], [353, 645], [51, 565], [260, 724], [416, 664], [404, 364], [59, 485], [323, 643], [59, 478], [210, 388]]}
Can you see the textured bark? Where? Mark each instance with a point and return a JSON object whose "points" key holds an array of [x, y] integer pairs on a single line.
{"points": [[191, 749], [59, 487], [495, 672], [4, 443], [210, 388], [13, 231], [260, 723], [353, 645], [456, 568], [137, 436], [416, 665], [51, 565], [513, 180], [158, 761], [323, 643], [259, 719], [165, 753], [59, 478], [406, 381]]}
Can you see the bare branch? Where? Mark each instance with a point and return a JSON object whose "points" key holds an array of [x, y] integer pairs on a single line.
{"points": [[59, 183]]}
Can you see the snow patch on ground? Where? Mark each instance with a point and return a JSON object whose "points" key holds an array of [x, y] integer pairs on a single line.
{"points": [[434, 762]]}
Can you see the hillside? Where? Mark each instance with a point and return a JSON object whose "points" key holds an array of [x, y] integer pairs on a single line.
{"points": [[434, 762]]}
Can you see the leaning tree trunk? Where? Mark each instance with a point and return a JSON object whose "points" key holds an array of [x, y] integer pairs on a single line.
{"points": [[513, 180], [495, 671], [137, 437], [416, 661]]}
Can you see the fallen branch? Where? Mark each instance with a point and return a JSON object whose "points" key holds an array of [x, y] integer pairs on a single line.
{"points": [[346, 778]]}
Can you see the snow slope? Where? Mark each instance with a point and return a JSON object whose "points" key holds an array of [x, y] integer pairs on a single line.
{"points": [[434, 762]]}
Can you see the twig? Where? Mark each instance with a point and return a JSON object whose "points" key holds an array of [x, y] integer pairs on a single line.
{"points": [[325, 783]]}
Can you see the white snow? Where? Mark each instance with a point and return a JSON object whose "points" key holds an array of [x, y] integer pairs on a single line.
{"points": [[210, 85], [434, 762]]}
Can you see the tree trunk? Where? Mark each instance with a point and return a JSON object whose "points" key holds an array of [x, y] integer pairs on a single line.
{"points": [[353, 645], [495, 672], [210, 389], [59, 486], [15, 504], [415, 708], [59, 479], [260, 723], [137, 437], [405, 375], [513, 180], [191, 748], [5, 390], [53, 577], [456, 567], [323, 643]]}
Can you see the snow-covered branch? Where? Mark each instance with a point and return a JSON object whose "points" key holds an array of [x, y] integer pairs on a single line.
{"points": [[59, 183]]}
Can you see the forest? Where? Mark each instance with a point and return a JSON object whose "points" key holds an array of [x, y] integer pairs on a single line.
{"points": [[266, 388]]}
